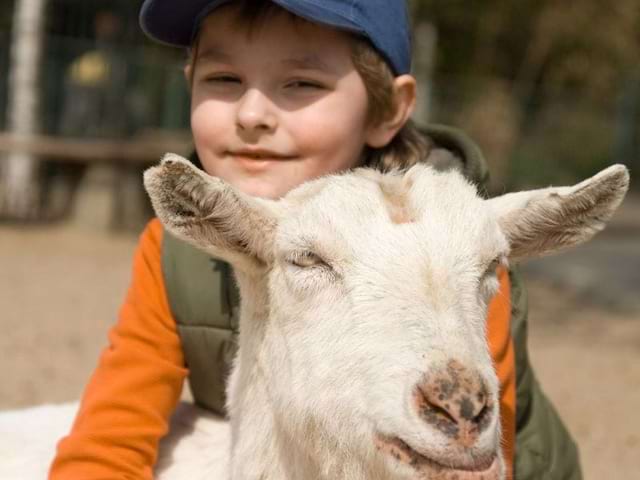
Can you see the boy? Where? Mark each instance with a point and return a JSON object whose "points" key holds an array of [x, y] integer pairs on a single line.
{"points": [[281, 92]]}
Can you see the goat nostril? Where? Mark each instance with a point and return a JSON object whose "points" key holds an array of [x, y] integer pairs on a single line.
{"points": [[435, 408], [469, 410], [483, 416], [440, 412]]}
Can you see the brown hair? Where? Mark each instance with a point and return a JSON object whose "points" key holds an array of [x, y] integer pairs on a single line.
{"points": [[409, 146]]}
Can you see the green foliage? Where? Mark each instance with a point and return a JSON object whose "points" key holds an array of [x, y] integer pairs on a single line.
{"points": [[6, 15], [566, 143], [564, 64]]}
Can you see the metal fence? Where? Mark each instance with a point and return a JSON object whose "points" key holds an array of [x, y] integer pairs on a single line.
{"points": [[145, 81], [142, 90]]}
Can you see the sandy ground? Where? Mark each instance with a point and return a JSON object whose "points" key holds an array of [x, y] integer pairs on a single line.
{"points": [[61, 286]]}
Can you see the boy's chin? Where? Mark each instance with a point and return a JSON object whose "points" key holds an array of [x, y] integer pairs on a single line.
{"points": [[261, 187]]}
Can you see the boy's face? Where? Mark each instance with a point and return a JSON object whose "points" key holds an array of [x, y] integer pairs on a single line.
{"points": [[276, 107]]}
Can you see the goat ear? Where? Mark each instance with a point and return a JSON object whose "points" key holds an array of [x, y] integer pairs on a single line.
{"points": [[209, 213], [545, 221]]}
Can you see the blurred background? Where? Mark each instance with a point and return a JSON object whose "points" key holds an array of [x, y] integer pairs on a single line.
{"points": [[550, 90]]}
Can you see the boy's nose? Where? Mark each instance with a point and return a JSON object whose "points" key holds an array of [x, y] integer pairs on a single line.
{"points": [[255, 112]]}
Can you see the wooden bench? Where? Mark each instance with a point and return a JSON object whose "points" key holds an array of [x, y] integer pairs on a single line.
{"points": [[126, 156], [144, 149]]}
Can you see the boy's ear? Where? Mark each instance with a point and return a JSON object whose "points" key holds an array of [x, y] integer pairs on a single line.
{"points": [[404, 88], [210, 214], [549, 220]]}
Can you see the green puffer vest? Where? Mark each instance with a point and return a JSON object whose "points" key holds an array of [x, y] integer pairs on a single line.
{"points": [[204, 301]]}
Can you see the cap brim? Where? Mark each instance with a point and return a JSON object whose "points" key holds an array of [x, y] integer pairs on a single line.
{"points": [[173, 23]]}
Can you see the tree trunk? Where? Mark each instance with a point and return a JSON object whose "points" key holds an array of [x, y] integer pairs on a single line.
{"points": [[19, 188], [425, 46]]}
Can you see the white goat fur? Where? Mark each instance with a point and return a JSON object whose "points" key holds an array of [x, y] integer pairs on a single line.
{"points": [[354, 287]]}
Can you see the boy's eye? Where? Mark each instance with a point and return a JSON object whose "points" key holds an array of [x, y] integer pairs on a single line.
{"points": [[304, 84], [222, 79]]}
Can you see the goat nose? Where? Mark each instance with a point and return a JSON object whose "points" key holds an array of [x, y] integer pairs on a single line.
{"points": [[455, 400]]}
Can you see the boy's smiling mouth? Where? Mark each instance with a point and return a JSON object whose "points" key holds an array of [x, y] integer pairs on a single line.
{"points": [[256, 160], [258, 154]]}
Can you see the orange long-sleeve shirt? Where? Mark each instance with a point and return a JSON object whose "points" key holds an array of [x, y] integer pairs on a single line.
{"points": [[127, 404]]}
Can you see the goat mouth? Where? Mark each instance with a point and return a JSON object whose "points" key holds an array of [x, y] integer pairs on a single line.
{"points": [[486, 468]]}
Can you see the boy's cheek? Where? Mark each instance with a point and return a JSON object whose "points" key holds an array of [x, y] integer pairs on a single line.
{"points": [[202, 115], [208, 126]]}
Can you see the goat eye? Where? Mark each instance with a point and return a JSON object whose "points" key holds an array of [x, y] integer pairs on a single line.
{"points": [[489, 284], [306, 260], [493, 267]]}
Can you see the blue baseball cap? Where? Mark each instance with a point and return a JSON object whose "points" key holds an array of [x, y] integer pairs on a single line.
{"points": [[384, 22]]}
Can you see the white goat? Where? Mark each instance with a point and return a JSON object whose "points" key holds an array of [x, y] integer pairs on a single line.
{"points": [[362, 332]]}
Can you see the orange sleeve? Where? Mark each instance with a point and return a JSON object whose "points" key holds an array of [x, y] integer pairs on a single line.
{"points": [[502, 352], [126, 406]]}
